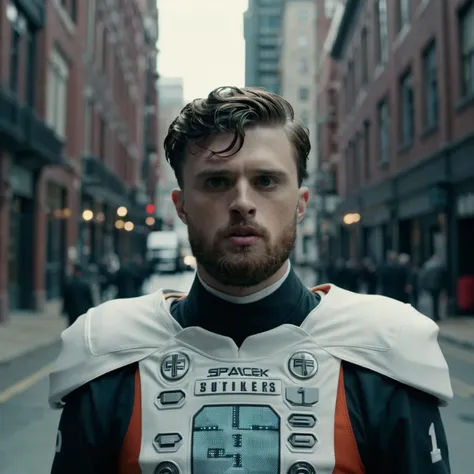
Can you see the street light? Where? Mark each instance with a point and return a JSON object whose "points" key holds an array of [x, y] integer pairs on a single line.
{"points": [[128, 226], [150, 221], [119, 224], [87, 215], [122, 211], [352, 218]]}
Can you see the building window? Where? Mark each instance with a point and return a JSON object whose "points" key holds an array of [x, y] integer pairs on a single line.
{"points": [[102, 139], [305, 117], [303, 66], [303, 16], [105, 50], [329, 8], [74, 10], [19, 27], [88, 125], [467, 51], [356, 161], [366, 150], [351, 85], [364, 58], [384, 131], [302, 41], [304, 94], [70, 6], [403, 14], [430, 86], [381, 16], [345, 92], [58, 76], [407, 109]]}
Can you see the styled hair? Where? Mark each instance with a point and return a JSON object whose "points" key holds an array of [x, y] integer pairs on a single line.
{"points": [[231, 110]]}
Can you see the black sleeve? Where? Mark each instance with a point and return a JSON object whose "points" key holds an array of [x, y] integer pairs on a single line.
{"points": [[411, 435], [398, 429], [94, 423]]}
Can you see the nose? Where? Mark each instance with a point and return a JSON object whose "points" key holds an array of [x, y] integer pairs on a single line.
{"points": [[242, 202]]}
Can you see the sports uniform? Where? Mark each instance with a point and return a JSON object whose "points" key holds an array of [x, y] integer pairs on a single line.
{"points": [[169, 384]]}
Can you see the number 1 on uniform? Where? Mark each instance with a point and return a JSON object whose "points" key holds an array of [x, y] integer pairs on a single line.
{"points": [[435, 451]]}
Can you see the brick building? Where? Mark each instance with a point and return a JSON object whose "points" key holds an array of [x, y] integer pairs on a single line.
{"points": [[119, 120], [40, 130], [77, 133], [406, 129], [327, 90]]}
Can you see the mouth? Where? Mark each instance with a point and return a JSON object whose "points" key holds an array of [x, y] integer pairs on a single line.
{"points": [[243, 236]]}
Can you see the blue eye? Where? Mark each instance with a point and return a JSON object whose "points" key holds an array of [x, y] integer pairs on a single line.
{"points": [[266, 181], [216, 182]]}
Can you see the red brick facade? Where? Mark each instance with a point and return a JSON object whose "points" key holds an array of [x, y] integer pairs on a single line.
{"points": [[53, 146], [60, 30], [407, 185]]}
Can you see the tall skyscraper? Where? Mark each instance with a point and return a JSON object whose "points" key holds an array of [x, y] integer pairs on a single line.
{"points": [[262, 32]]}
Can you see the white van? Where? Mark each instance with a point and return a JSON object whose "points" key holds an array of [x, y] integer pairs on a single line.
{"points": [[163, 251]]}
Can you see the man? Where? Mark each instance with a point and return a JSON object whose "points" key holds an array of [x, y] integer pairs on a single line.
{"points": [[250, 372], [433, 281], [78, 296]]}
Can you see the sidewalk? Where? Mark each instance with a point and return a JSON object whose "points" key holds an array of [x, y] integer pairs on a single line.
{"points": [[27, 332], [459, 331]]}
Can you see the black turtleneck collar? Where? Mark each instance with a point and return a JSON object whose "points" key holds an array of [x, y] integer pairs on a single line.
{"points": [[289, 304]]}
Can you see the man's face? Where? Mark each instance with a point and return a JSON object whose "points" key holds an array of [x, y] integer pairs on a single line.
{"points": [[242, 210]]}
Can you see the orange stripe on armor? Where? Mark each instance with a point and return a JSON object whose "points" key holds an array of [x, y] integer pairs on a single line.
{"points": [[130, 452], [180, 296], [347, 455], [323, 288]]}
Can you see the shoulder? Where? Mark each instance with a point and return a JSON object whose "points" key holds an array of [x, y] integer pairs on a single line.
{"points": [[112, 335], [383, 335]]}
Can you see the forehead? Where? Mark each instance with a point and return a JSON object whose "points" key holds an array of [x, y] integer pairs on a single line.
{"points": [[263, 146]]}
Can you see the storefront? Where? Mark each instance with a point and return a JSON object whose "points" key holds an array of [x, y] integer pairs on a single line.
{"points": [[20, 241], [104, 197], [465, 228], [56, 249]]}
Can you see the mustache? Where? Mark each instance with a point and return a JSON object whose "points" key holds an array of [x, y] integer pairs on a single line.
{"points": [[229, 229]]}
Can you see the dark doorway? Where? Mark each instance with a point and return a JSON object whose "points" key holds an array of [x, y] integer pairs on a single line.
{"points": [[55, 241], [466, 248], [20, 253]]}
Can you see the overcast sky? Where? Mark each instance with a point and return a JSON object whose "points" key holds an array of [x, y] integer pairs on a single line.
{"points": [[202, 41]]}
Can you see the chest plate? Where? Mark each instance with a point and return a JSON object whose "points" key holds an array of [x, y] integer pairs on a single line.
{"points": [[202, 415]]}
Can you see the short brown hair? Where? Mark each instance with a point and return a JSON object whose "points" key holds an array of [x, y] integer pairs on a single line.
{"points": [[231, 109]]}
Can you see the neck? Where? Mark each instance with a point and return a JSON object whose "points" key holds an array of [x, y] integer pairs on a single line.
{"points": [[237, 291]]}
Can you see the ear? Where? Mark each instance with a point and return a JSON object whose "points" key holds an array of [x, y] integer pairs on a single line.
{"points": [[302, 203], [178, 200]]}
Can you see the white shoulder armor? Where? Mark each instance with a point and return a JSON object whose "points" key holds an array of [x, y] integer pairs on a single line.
{"points": [[383, 335], [110, 336]]}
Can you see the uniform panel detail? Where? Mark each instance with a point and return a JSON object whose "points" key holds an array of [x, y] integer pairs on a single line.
{"points": [[302, 468], [236, 439], [303, 365], [237, 386], [175, 366]]}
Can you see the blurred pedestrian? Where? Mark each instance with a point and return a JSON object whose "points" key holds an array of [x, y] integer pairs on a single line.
{"points": [[125, 280], [412, 283], [433, 281], [392, 277], [78, 296], [368, 275], [352, 276]]}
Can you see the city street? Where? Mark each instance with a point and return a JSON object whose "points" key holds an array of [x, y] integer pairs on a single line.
{"points": [[28, 426]]}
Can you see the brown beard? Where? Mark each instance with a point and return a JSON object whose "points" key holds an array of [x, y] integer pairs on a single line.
{"points": [[241, 268]]}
